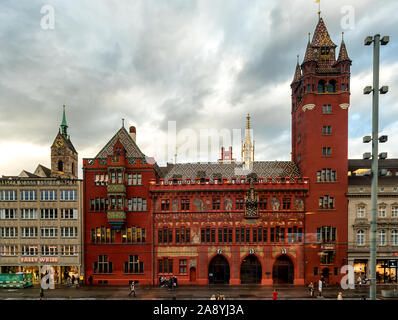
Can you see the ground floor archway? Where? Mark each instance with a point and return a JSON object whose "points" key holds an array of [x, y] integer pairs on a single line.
{"points": [[250, 270], [283, 270], [219, 270]]}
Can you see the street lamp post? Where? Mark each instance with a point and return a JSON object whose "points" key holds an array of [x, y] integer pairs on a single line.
{"points": [[375, 149]]}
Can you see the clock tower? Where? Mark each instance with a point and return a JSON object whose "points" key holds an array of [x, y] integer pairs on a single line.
{"points": [[64, 157]]}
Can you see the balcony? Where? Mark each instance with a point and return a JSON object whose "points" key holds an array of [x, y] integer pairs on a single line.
{"points": [[116, 219], [116, 189]]}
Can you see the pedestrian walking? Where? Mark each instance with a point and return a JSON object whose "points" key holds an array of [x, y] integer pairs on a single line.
{"points": [[90, 280], [73, 279], [213, 297], [275, 295], [320, 287], [340, 296], [311, 289], [132, 289], [170, 283], [175, 281], [41, 293]]}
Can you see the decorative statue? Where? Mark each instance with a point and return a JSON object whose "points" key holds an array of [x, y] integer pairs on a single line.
{"points": [[275, 203]]}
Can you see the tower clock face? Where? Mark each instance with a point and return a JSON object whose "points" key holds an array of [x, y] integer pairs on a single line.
{"points": [[59, 143]]}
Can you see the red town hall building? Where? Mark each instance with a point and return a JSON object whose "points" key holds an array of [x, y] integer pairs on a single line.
{"points": [[262, 222]]}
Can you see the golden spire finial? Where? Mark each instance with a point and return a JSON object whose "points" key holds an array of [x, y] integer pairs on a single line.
{"points": [[309, 36], [248, 121], [123, 122]]}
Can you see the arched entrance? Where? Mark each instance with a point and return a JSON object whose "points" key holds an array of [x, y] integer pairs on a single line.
{"points": [[192, 274], [250, 270], [219, 270], [283, 270]]}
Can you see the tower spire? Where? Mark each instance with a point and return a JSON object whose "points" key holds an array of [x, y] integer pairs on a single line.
{"points": [[64, 125]]}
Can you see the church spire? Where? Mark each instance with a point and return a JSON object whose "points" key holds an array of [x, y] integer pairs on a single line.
{"points": [[321, 36], [247, 146], [64, 125]]}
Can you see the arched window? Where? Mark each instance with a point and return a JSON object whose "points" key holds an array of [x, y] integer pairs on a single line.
{"points": [[360, 237], [394, 237], [60, 166], [321, 86], [332, 86]]}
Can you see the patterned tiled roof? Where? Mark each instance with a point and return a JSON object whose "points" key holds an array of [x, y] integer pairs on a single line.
{"points": [[309, 54], [321, 36], [262, 169], [297, 74], [128, 143], [343, 55]]}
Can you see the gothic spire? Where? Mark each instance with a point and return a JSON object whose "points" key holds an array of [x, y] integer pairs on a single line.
{"points": [[64, 125], [309, 52], [343, 55], [297, 73], [321, 36]]}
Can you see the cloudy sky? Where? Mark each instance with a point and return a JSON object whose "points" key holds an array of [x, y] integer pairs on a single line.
{"points": [[204, 64]]}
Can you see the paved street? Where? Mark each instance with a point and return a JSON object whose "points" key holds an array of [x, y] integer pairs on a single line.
{"points": [[249, 292]]}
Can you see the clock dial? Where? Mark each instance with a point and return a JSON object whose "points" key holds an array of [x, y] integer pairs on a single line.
{"points": [[59, 143]]}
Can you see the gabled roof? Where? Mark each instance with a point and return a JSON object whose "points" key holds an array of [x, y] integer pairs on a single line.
{"points": [[128, 143], [42, 171], [211, 170], [321, 36], [27, 174]]}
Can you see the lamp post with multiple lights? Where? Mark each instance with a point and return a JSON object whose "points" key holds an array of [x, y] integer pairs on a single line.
{"points": [[375, 149]]}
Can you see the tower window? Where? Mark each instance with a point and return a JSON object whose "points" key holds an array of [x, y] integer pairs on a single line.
{"points": [[327, 109], [327, 130], [321, 86], [60, 166], [326, 151], [332, 86]]}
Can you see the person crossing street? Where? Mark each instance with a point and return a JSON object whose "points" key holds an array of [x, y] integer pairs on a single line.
{"points": [[132, 289]]}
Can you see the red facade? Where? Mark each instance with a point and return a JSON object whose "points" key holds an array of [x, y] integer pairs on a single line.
{"points": [[285, 222], [320, 101]]}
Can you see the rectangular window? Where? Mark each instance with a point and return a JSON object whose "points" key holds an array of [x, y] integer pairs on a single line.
{"points": [[327, 109], [68, 195], [326, 234], [29, 250], [247, 235], [327, 130], [28, 232], [28, 195], [382, 211], [165, 205], [68, 232], [103, 265], [183, 266], [69, 250], [286, 203], [48, 195], [237, 235], [8, 195], [326, 151], [8, 214], [394, 211], [29, 214], [134, 265], [326, 203], [49, 250], [48, 232], [239, 204], [9, 251], [255, 235], [262, 205], [272, 235], [48, 214], [9, 232], [216, 204]]}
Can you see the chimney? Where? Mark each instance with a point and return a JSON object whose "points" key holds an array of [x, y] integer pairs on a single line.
{"points": [[133, 133]]}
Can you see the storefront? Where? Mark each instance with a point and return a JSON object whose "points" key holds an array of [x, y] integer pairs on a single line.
{"points": [[386, 271], [360, 269], [9, 269], [69, 271]]}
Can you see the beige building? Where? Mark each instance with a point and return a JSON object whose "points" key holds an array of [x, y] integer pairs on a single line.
{"points": [[359, 214], [41, 216]]}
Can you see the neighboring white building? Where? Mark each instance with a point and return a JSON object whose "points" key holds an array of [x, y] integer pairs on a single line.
{"points": [[359, 214]]}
